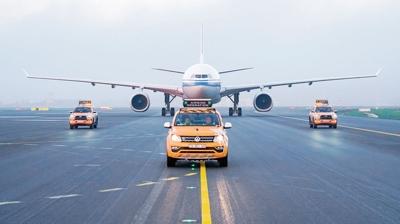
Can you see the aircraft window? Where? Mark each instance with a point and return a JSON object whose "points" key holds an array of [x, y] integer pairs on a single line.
{"points": [[204, 76]]}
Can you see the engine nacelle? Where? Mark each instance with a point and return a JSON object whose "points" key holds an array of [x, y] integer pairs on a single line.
{"points": [[262, 102], [140, 102]]}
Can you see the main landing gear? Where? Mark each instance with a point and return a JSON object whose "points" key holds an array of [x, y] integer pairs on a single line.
{"points": [[235, 110], [168, 109]]}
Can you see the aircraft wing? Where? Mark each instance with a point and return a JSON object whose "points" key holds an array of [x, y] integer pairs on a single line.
{"points": [[226, 91], [175, 91]]}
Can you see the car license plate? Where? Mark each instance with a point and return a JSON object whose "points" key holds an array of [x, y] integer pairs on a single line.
{"points": [[197, 146]]}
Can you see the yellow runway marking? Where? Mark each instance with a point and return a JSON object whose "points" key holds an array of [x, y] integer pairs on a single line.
{"points": [[205, 199]]}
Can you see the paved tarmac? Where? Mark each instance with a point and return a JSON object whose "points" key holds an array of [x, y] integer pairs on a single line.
{"points": [[280, 171]]}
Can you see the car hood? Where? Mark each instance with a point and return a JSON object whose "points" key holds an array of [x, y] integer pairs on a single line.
{"points": [[197, 131]]}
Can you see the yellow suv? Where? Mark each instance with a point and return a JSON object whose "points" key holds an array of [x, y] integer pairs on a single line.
{"points": [[197, 133]]}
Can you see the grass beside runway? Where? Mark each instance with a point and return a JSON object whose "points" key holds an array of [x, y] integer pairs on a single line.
{"points": [[382, 113]]}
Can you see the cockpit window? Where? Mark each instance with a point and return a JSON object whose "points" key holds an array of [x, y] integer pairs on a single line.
{"points": [[200, 76]]}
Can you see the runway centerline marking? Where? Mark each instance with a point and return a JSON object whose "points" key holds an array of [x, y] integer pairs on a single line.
{"points": [[9, 202], [205, 199], [64, 196], [353, 128]]}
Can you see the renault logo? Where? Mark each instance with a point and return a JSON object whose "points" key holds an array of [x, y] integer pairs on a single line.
{"points": [[197, 139]]}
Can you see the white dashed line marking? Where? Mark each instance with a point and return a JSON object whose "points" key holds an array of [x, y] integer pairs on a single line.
{"points": [[147, 151], [30, 144], [59, 145], [189, 220], [106, 148], [170, 178], [190, 174], [64, 196], [9, 202], [86, 165], [112, 189], [146, 183]]}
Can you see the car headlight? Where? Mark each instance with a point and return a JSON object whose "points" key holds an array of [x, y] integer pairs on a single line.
{"points": [[219, 138], [334, 117], [71, 116], [89, 116], [176, 138]]}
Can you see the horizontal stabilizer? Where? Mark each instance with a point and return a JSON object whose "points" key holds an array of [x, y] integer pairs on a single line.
{"points": [[167, 70], [234, 70]]}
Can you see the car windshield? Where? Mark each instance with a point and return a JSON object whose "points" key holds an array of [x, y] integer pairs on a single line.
{"points": [[324, 109], [83, 110], [197, 119]]}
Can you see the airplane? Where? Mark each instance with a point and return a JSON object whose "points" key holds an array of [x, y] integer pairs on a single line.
{"points": [[201, 81]]}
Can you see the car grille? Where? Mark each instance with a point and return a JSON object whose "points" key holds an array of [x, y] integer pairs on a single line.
{"points": [[80, 117], [197, 138], [326, 117]]}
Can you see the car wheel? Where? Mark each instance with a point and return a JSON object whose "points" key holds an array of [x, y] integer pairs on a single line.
{"points": [[239, 111], [230, 111], [171, 162], [335, 126], [91, 126], [163, 111], [315, 126], [71, 127], [223, 162], [172, 112]]}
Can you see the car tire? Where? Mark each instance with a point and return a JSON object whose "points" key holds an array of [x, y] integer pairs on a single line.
{"points": [[223, 162], [335, 126], [315, 126], [71, 127], [95, 124], [171, 162], [230, 111], [163, 111], [91, 126], [239, 111], [172, 112]]}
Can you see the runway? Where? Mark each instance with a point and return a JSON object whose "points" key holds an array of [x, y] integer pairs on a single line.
{"points": [[280, 171]]}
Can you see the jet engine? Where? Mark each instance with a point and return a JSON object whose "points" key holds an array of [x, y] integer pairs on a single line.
{"points": [[262, 102], [140, 102]]}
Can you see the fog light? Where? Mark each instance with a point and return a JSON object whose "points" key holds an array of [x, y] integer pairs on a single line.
{"points": [[219, 148], [175, 148]]}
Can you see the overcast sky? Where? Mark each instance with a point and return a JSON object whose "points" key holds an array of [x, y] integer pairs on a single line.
{"points": [[121, 40]]}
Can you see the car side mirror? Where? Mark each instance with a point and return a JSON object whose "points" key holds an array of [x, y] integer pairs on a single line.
{"points": [[70, 112], [94, 112], [227, 125], [167, 125]]}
